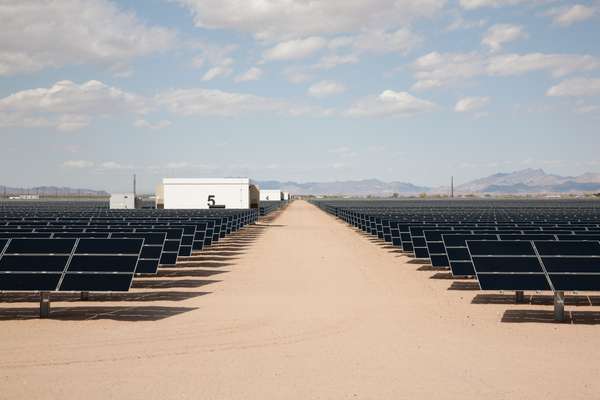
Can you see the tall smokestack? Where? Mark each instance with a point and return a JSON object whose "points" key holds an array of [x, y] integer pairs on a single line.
{"points": [[452, 187], [134, 186]]}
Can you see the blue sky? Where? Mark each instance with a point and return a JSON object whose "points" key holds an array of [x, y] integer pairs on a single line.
{"points": [[404, 90]]}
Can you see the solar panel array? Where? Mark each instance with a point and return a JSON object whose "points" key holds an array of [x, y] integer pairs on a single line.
{"points": [[85, 247], [537, 245]]}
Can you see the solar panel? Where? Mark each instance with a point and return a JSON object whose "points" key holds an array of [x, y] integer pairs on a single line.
{"points": [[172, 243], [458, 253], [34, 264], [40, 246], [151, 251], [68, 264], [102, 265], [507, 265], [436, 248], [571, 265]]}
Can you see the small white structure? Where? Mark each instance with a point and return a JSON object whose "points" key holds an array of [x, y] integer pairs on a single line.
{"points": [[25, 197], [185, 193], [270, 195], [285, 196], [122, 201]]}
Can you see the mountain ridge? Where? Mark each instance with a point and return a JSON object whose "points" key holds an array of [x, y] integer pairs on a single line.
{"points": [[520, 182], [52, 191], [526, 181]]}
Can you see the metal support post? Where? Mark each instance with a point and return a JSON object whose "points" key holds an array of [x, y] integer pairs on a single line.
{"points": [[519, 297], [44, 304], [559, 306]]}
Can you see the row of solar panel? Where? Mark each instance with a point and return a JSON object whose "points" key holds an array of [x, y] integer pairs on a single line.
{"points": [[445, 243], [232, 219], [91, 254], [68, 264], [536, 265]]}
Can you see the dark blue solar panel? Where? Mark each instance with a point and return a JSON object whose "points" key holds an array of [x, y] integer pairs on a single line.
{"points": [[513, 282], [572, 264], [24, 281], [96, 282], [103, 263], [502, 264], [499, 248], [568, 248], [29, 263], [40, 246], [109, 246]]}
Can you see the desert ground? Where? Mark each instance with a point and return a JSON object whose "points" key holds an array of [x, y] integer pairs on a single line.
{"points": [[300, 306]]}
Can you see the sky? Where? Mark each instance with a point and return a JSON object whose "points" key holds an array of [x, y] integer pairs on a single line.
{"points": [[93, 91]]}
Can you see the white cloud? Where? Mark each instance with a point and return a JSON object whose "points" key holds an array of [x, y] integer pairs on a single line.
{"points": [[218, 71], [78, 164], [295, 49], [368, 42], [206, 102], [253, 74], [326, 89], [588, 109], [474, 4], [576, 87], [142, 123], [459, 23], [499, 34], [443, 69], [401, 41], [340, 150], [42, 34], [389, 103], [217, 58], [68, 106], [343, 152], [112, 165], [333, 60], [91, 97], [72, 122], [297, 75], [178, 165], [468, 104], [566, 16], [287, 19], [437, 69], [557, 64]]}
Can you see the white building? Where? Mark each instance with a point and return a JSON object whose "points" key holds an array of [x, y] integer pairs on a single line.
{"points": [[25, 197], [185, 193], [285, 196], [122, 201], [270, 195]]}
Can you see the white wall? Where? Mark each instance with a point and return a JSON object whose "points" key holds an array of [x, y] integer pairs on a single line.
{"points": [[194, 193], [286, 196], [270, 195], [122, 201]]}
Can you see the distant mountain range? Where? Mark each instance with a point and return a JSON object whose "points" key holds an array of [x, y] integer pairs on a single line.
{"points": [[52, 191], [534, 181], [352, 188], [527, 181]]}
